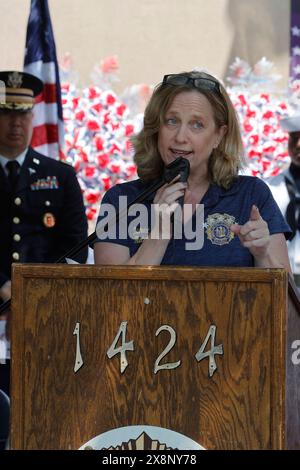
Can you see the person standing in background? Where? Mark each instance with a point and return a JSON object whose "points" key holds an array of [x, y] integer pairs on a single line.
{"points": [[42, 215], [286, 191]]}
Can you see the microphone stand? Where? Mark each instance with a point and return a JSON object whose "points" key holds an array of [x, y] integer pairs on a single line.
{"points": [[179, 166]]}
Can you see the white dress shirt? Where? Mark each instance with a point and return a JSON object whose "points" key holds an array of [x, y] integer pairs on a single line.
{"points": [[20, 159]]}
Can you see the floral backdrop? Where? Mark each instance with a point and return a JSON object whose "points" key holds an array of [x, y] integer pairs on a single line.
{"points": [[99, 123]]}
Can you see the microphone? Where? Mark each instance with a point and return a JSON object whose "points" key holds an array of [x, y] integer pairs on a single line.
{"points": [[179, 166]]}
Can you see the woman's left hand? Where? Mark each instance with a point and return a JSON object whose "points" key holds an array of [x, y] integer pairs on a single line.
{"points": [[254, 234]]}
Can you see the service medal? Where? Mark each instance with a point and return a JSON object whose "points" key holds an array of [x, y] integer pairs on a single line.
{"points": [[49, 220]]}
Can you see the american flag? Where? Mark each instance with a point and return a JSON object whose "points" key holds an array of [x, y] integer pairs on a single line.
{"points": [[295, 41], [40, 60]]}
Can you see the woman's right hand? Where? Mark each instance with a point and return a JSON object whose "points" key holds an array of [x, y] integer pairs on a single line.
{"points": [[165, 204]]}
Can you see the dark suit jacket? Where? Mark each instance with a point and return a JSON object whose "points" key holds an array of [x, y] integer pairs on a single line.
{"points": [[44, 218]]}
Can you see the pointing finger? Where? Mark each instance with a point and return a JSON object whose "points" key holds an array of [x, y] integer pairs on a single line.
{"points": [[254, 214]]}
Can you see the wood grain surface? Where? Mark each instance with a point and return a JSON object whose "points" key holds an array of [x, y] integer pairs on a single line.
{"points": [[242, 406]]}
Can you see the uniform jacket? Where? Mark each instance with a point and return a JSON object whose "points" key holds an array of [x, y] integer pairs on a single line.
{"points": [[44, 218], [279, 190]]}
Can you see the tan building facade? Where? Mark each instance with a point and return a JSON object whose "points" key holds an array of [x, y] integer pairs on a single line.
{"points": [[154, 37]]}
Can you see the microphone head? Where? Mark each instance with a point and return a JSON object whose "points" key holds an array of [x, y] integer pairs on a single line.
{"points": [[179, 166]]}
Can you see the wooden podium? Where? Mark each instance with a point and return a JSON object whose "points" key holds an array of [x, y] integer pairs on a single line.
{"points": [[70, 383]]}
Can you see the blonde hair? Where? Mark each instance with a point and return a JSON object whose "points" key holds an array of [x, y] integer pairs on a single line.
{"points": [[225, 161]]}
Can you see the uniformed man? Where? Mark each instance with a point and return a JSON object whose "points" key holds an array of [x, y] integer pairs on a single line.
{"points": [[42, 214], [286, 191]]}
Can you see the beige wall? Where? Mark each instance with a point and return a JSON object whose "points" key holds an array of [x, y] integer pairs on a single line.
{"points": [[153, 37]]}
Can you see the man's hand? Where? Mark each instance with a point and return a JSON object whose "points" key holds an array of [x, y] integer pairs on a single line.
{"points": [[5, 291]]}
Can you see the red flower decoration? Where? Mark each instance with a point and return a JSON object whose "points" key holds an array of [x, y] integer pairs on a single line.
{"points": [[106, 180], [276, 171], [110, 99], [121, 109], [115, 149], [103, 160], [90, 171], [93, 93], [242, 100], [76, 165], [269, 149], [97, 107], [265, 165], [128, 146], [254, 153], [131, 170], [268, 114], [92, 197], [265, 97], [91, 213], [283, 106], [115, 168], [129, 130], [106, 118], [80, 115], [65, 87], [83, 155], [250, 113], [93, 125], [254, 139], [99, 143], [247, 126], [267, 129], [75, 102]]}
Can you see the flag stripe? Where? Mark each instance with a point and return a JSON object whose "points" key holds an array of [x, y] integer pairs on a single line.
{"points": [[52, 149], [48, 95], [44, 113], [43, 70], [47, 133]]}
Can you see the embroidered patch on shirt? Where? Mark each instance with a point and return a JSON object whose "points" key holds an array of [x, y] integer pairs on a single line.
{"points": [[50, 182], [218, 228]]}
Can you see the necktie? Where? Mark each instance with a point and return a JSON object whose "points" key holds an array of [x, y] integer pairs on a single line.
{"points": [[13, 173]]}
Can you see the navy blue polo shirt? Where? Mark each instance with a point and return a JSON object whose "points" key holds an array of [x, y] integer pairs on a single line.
{"points": [[221, 208]]}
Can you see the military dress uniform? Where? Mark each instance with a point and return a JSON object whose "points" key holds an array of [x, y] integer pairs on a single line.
{"points": [[285, 188], [279, 186], [42, 214], [43, 217]]}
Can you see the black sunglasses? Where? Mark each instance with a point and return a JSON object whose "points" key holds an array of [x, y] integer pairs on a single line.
{"points": [[200, 83]]}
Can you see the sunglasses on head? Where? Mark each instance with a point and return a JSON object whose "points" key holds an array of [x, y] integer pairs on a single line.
{"points": [[200, 83]]}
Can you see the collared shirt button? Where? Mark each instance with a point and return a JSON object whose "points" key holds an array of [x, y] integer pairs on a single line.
{"points": [[18, 201], [16, 256], [16, 220], [47, 203], [17, 237]]}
